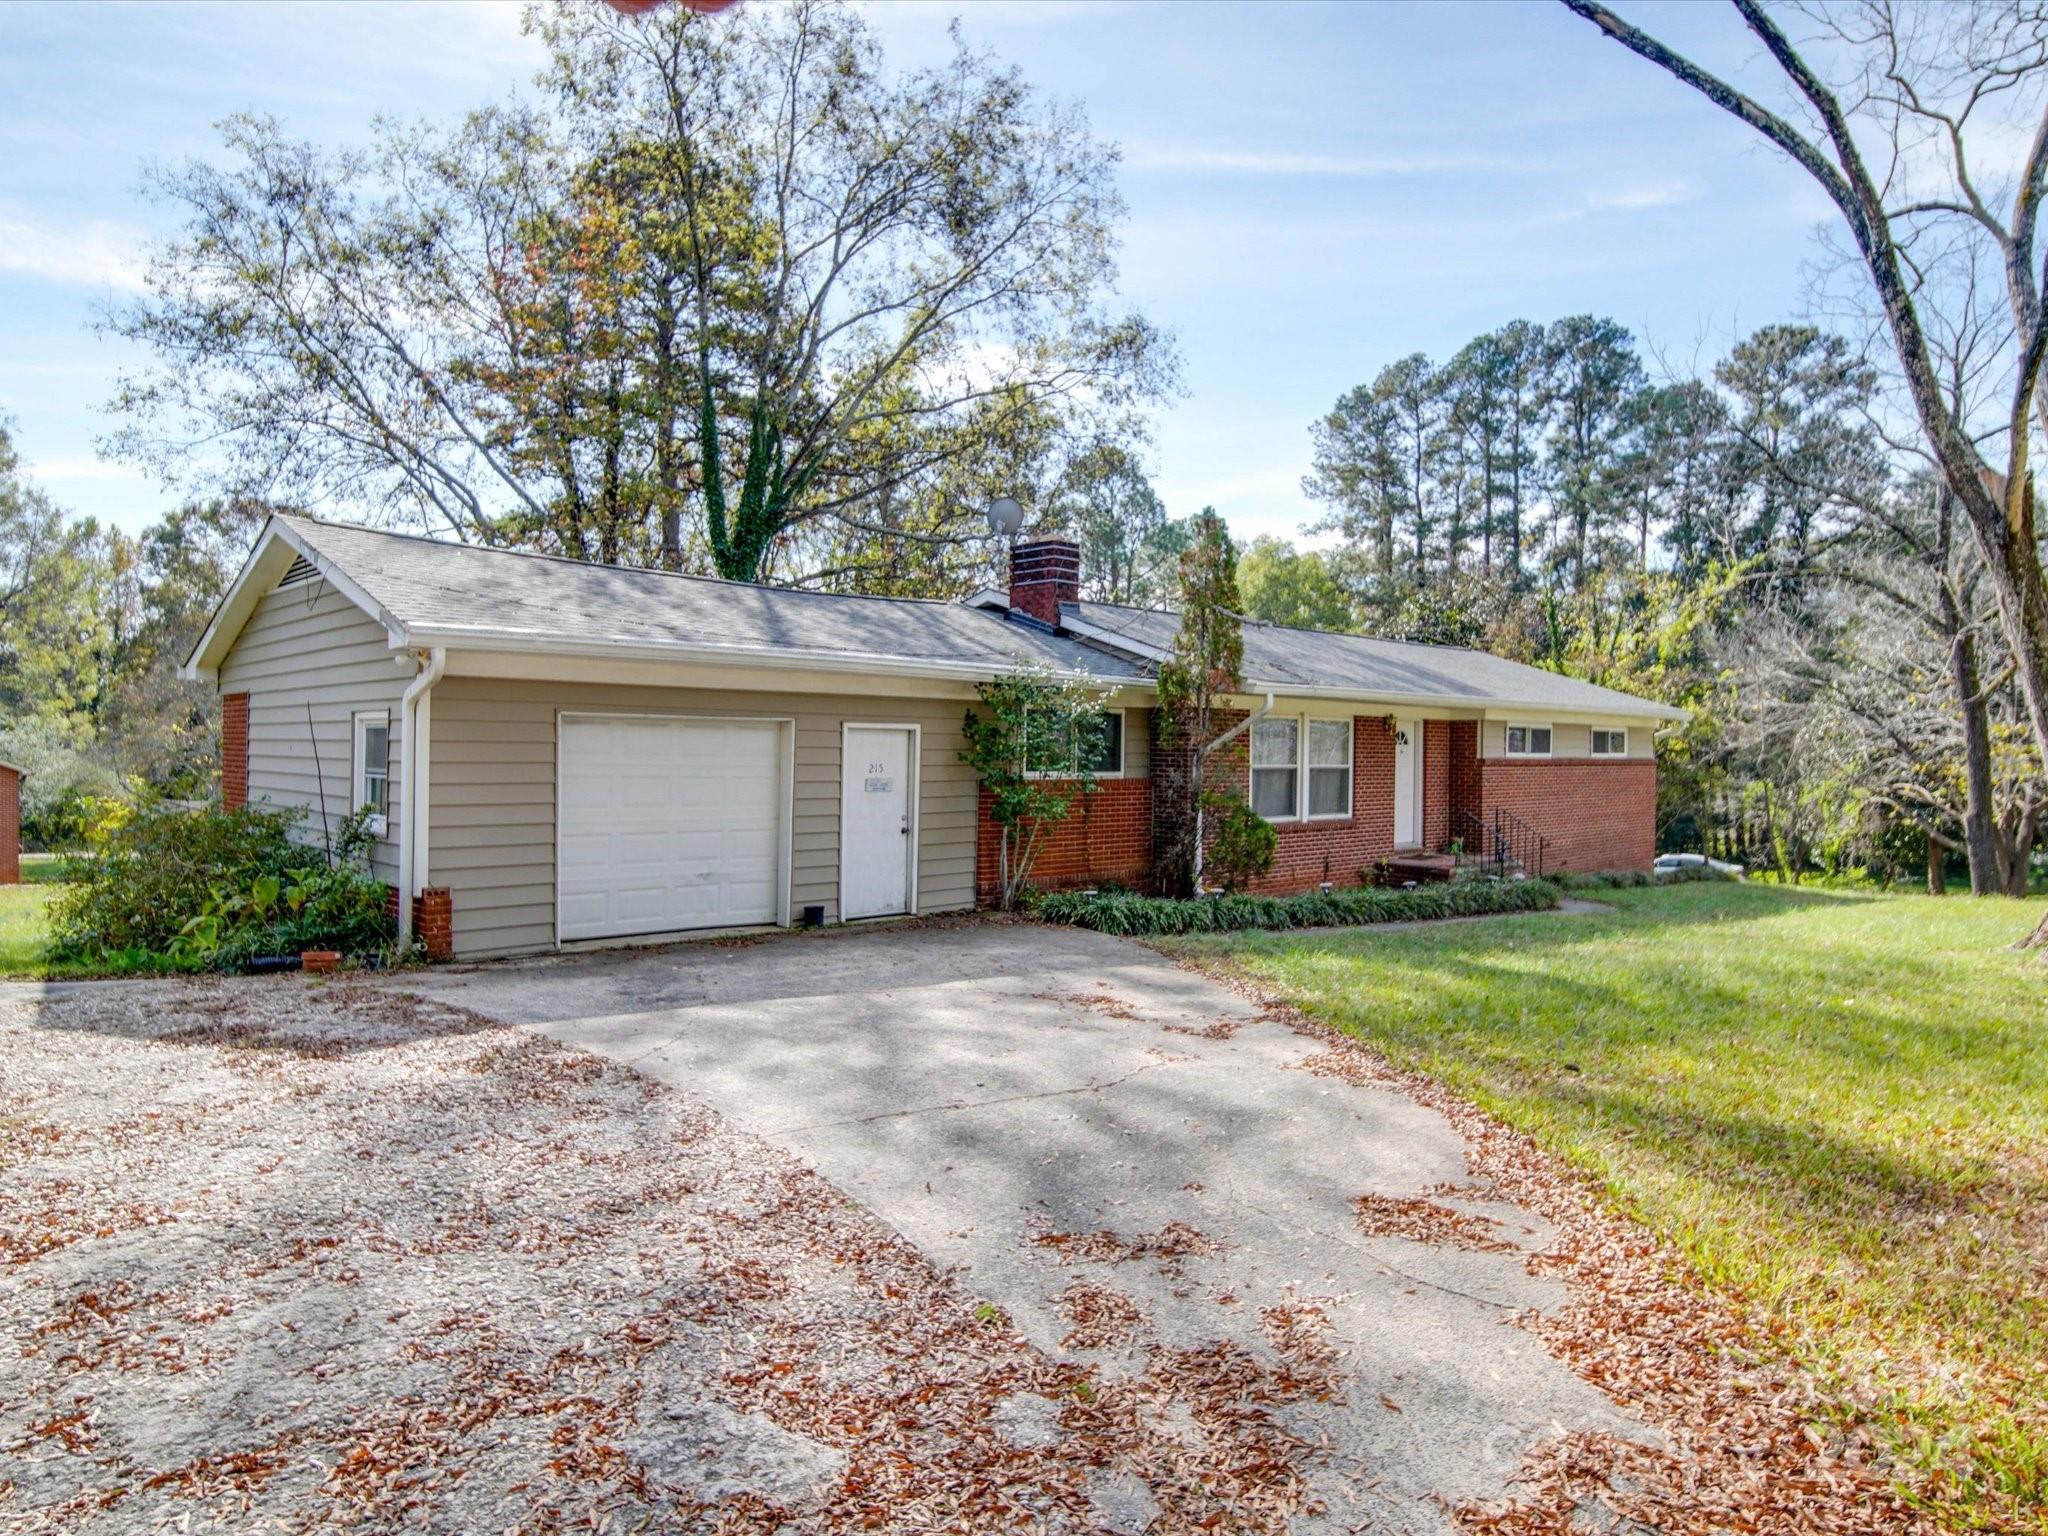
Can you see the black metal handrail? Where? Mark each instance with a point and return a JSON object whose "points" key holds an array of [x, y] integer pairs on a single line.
{"points": [[1468, 834], [1515, 841]]}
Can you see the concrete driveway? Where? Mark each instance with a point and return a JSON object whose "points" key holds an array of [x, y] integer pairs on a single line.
{"points": [[1129, 1161]]}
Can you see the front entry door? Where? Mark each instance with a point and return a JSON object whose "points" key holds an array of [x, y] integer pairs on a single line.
{"points": [[1407, 783], [877, 822]]}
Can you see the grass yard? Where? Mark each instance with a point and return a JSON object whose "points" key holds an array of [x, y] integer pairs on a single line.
{"points": [[24, 929], [1835, 1104]]}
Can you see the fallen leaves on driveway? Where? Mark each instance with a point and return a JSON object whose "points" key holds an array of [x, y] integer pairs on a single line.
{"points": [[1754, 1447], [284, 1256]]}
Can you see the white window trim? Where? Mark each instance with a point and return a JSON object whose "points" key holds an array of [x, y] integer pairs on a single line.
{"points": [[1506, 744], [1350, 769], [1123, 753], [1593, 741], [1301, 814], [1252, 766], [361, 722]]}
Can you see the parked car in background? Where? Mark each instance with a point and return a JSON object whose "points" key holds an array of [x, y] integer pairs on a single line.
{"points": [[1671, 863]]}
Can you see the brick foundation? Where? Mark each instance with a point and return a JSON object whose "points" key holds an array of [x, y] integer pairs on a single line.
{"points": [[433, 919], [10, 826], [234, 751]]}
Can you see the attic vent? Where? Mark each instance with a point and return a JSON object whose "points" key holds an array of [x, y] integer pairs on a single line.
{"points": [[300, 569]]}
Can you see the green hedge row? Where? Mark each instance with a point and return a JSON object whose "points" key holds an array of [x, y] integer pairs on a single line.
{"points": [[1137, 916]]}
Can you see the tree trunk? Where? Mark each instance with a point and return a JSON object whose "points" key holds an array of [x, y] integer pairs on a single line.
{"points": [[1980, 839], [1937, 868]]}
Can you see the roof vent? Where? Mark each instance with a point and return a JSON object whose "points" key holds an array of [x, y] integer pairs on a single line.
{"points": [[299, 570]]}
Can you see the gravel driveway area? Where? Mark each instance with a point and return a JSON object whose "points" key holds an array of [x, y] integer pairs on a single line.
{"points": [[980, 1227]]}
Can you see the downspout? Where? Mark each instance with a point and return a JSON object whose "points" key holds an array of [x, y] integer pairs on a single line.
{"points": [[413, 776], [1202, 758]]}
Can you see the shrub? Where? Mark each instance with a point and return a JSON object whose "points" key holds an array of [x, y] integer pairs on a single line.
{"points": [[147, 871], [1244, 846], [210, 888], [1136, 916]]}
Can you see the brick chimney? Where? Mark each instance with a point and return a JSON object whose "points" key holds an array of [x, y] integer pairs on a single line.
{"points": [[1043, 574]]}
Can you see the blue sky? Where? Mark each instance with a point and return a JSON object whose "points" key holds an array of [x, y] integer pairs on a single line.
{"points": [[1314, 190]]}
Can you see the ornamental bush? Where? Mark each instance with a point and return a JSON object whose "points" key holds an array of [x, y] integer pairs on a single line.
{"points": [[210, 889], [1143, 916]]}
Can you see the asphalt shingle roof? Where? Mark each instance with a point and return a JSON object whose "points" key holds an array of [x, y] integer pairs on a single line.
{"points": [[1280, 658], [432, 585]]}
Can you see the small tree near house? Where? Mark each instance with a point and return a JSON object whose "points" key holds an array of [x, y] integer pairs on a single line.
{"points": [[1033, 743], [1207, 665]]}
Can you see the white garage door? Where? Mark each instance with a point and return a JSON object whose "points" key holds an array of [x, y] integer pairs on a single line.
{"points": [[666, 825]]}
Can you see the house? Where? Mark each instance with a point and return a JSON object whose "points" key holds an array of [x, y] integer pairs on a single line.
{"points": [[10, 823], [555, 753]]}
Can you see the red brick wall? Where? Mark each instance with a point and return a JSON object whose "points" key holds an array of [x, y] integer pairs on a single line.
{"points": [[1311, 852], [1596, 815], [1465, 776], [1436, 783], [1106, 837], [234, 751], [10, 827]]}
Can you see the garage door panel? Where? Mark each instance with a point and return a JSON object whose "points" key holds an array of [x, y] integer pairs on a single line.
{"points": [[668, 825]]}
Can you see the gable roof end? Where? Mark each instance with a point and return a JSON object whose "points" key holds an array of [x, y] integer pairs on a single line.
{"points": [[278, 547]]}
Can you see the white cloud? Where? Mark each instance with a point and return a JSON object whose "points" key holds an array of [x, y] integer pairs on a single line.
{"points": [[96, 254], [1653, 194], [1188, 157]]}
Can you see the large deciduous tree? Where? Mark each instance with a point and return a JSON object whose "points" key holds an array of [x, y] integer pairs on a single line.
{"points": [[733, 294], [1889, 109]]}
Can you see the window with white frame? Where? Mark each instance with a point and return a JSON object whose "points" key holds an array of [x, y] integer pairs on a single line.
{"points": [[1329, 769], [1057, 759], [372, 758], [1528, 741], [1276, 768], [1608, 743]]}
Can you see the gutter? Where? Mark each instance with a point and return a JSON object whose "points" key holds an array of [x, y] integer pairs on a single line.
{"points": [[1202, 757], [416, 713]]}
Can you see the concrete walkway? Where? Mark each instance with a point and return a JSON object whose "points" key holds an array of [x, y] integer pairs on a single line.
{"points": [[990, 1090]]}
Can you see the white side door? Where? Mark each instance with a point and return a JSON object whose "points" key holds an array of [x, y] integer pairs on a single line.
{"points": [[666, 825], [877, 822], [1407, 783]]}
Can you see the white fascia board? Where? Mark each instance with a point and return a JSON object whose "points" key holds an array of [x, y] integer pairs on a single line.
{"points": [[1490, 708], [254, 580], [766, 657]]}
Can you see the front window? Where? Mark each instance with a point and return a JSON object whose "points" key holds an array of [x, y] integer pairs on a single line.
{"points": [[1329, 768], [1610, 743], [1276, 769], [373, 767], [1057, 754], [1528, 741]]}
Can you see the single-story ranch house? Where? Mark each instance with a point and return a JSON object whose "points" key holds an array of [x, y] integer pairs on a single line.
{"points": [[558, 753]]}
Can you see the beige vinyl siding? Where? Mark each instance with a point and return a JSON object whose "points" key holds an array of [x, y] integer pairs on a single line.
{"points": [[491, 800], [1566, 740], [310, 659], [1137, 743]]}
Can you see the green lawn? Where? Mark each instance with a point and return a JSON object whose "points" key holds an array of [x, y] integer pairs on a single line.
{"points": [[23, 931], [25, 928], [1835, 1104]]}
